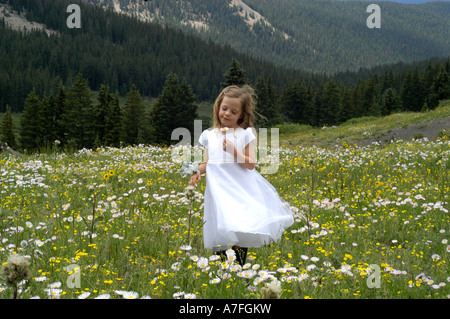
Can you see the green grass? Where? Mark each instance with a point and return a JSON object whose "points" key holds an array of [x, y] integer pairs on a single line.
{"points": [[121, 216], [358, 129]]}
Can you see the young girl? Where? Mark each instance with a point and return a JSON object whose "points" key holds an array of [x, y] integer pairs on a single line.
{"points": [[241, 209]]}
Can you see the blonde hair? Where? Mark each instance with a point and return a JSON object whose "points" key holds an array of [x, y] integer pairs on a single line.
{"points": [[248, 103]]}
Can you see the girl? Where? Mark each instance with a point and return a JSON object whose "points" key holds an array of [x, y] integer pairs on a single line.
{"points": [[241, 208]]}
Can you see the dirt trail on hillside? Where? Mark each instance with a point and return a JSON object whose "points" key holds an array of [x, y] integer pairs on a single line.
{"points": [[429, 129]]}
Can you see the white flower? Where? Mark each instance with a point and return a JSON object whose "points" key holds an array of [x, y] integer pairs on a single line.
{"points": [[190, 296], [435, 257], [202, 262], [310, 267], [130, 295], [185, 248], [176, 266], [40, 279], [214, 281], [103, 296], [214, 258], [84, 295], [178, 295]]}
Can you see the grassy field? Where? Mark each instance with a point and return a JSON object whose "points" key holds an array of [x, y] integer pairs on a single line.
{"points": [[370, 222]]}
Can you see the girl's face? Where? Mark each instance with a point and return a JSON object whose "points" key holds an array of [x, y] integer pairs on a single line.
{"points": [[230, 111]]}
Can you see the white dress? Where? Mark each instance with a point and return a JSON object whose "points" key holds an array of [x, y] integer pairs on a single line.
{"points": [[241, 207]]}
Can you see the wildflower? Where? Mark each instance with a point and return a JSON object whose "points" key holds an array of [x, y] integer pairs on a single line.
{"points": [[271, 291], [84, 295], [202, 262], [185, 248], [103, 296], [190, 192], [40, 279], [435, 257], [14, 271], [214, 281], [130, 295]]}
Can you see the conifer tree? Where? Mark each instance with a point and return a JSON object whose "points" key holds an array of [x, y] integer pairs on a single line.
{"points": [[7, 129], [293, 103], [345, 108], [30, 123], [330, 103], [389, 102], [102, 112], [134, 113], [174, 108], [60, 102], [114, 123], [79, 116], [235, 75], [48, 121]]}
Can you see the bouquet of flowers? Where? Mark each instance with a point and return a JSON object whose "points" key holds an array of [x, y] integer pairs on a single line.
{"points": [[188, 168]]}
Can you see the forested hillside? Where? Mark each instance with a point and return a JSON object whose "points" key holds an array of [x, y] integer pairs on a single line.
{"points": [[51, 78], [326, 36], [111, 49]]}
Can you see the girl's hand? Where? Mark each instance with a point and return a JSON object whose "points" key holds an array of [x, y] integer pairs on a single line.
{"points": [[228, 146], [195, 178]]}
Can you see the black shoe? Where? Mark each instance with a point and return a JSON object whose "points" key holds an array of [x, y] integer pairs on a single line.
{"points": [[241, 255]]}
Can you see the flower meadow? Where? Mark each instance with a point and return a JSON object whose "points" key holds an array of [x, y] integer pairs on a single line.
{"points": [[370, 222]]}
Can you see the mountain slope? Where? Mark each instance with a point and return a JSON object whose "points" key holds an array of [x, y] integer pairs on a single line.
{"points": [[323, 36]]}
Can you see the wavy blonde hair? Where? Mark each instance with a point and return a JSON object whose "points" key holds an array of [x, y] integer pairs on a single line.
{"points": [[247, 96]]}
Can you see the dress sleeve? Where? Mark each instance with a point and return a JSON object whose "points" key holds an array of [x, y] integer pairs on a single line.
{"points": [[203, 139], [249, 136]]}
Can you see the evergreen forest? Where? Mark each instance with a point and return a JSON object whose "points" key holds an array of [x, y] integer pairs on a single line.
{"points": [[67, 88]]}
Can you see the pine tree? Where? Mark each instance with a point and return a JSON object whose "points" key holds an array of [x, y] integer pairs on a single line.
{"points": [[114, 123], [102, 112], [48, 121], [133, 122], [330, 103], [235, 75], [79, 116], [345, 110], [60, 102], [30, 123], [267, 103], [389, 102], [7, 129], [174, 108]]}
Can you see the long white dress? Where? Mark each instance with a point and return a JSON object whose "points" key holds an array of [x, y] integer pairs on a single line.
{"points": [[241, 207]]}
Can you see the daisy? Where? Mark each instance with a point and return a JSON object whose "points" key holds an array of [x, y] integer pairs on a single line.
{"points": [[202, 262], [103, 296], [84, 295], [214, 281], [130, 295]]}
